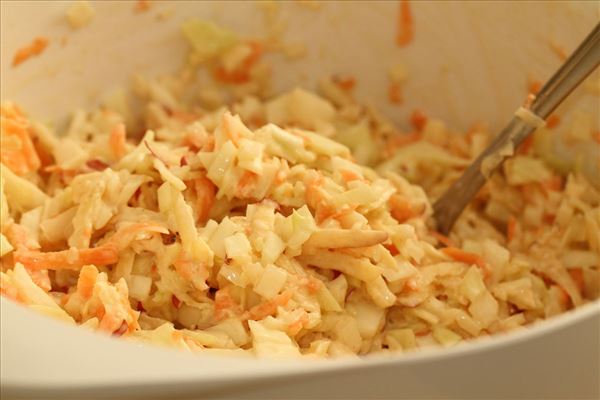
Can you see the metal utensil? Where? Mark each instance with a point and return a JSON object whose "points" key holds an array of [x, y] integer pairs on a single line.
{"points": [[574, 70]]}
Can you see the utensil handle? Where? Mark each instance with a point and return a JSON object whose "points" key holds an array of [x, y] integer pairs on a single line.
{"points": [[575, 69]]}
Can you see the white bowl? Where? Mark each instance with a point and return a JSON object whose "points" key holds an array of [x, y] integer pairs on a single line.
{"points": [[469, 62]]}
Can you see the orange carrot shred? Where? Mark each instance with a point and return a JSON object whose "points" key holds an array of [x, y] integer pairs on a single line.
{"points": [[511, 228], [37, 260], [175, 301], [349, 176], [552, 121], [401, 209], [344, 83], [405, 32], [35, 48], [395, 93], [23, 157], [141, 6], [418, 119], [392, 249], [297, 325], [269, 308], [526, 145], [242, 73], [18, 236], [225, 304], [534, 86], [117, 140], [464, 256], [445, 240], [555, 183]]}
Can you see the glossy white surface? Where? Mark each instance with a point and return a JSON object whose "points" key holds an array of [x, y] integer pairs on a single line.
{"points": [[469, 62]]}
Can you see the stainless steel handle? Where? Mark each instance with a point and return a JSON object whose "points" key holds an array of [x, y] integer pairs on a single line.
{"points": [[575, 69]]}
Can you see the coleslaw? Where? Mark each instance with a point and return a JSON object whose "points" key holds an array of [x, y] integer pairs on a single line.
{"points": [[294, 225]]}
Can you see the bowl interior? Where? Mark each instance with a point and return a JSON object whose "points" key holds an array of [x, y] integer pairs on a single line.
{"points": [[469, 61]]}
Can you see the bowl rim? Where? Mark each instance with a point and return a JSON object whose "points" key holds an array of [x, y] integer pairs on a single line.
{"points": [[270, 368]]}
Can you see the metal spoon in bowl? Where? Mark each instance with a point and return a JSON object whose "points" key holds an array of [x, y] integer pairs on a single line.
{"points": [[574, 70]]}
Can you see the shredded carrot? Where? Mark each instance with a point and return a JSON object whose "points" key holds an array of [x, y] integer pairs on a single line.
{"points": [[307, 140], [349, 176], [464, 256], [225, 305], [418, 119], [33, 49], [405, 32], [17, 151], [192, 271], [526, 146], [345, 83], [324, 211], [184, 116], [555, 183], [395, 93], [511, 228], [205, 194], [68, 259], [297, 325], [117, 141], [141, 6], [401, 209], [314, 194], [317, 199], [553, 121], [529, 192], [534, 86], [392, 249], [86, 281], [226, 126], [423, 332], [263, 310], [242, 73], [445, 240], [257, 120], [577, 276], [96, 164], [19, 237], [175, 301]]}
